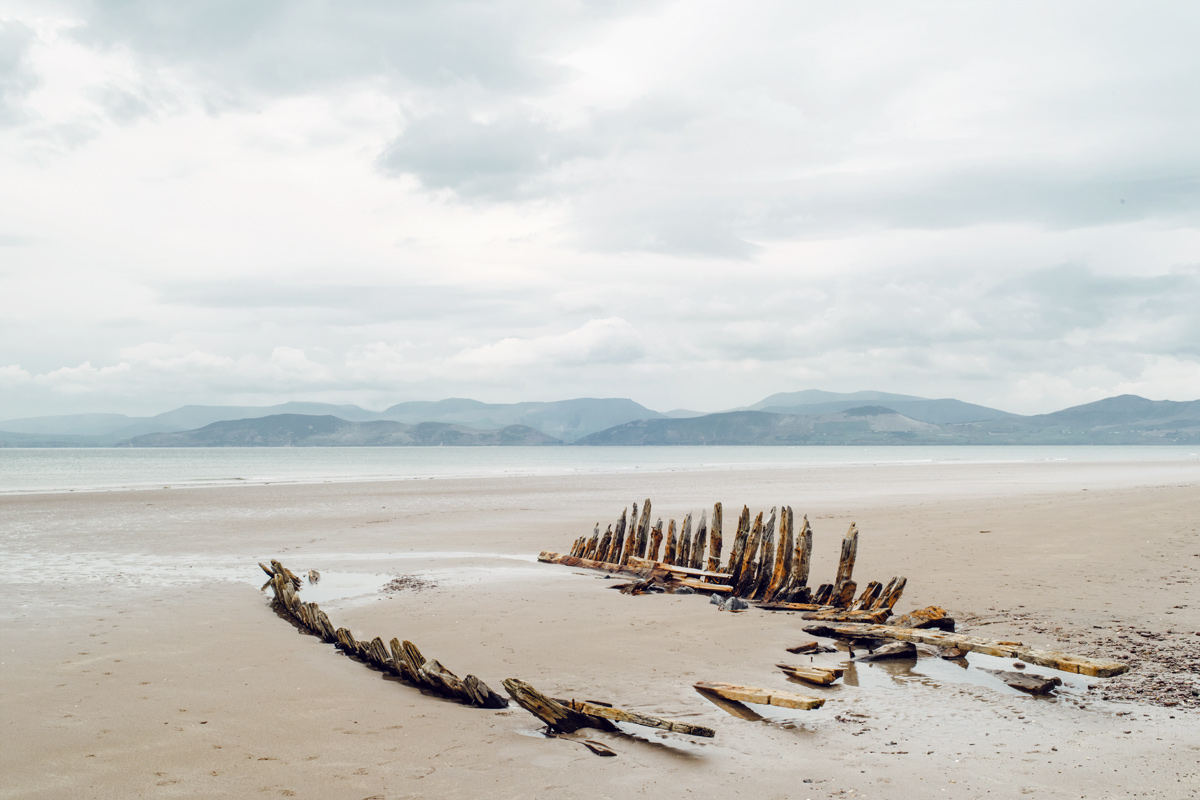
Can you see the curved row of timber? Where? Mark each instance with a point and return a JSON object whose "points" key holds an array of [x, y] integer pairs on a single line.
{"points": [[404, 660], [770, 568]]}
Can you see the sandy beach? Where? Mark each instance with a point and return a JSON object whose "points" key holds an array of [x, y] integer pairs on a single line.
{"points": [[140, 659]]}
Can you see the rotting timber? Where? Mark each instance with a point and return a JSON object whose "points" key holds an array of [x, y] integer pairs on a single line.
{"points": [[763, 566]]}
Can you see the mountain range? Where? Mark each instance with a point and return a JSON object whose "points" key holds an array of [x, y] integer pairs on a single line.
{"points": [[810, 417]]}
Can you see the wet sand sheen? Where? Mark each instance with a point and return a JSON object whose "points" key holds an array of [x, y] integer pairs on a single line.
{"points": [[140, 658]]}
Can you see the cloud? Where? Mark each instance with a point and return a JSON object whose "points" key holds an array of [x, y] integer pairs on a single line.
{"points": [[599, 341], [17, 78]]}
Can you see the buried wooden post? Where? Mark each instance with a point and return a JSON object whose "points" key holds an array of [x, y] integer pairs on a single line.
{"points": [[750, 558], [766, 560], [739, 546], [613, 556], [700, 542], [656, 537], [672, 545], [644, 531], [783, 556], [714, 543], [605, 544], [849, 552], [684, 558], [798, 591]]}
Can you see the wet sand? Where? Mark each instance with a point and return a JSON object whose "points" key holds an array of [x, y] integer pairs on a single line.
{"points": [[140, 659]]}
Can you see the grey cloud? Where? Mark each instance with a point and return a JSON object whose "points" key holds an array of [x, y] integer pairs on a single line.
{"points": [[16, 77], [290, 46], [357, 304], [502, 160], [123, 104]]}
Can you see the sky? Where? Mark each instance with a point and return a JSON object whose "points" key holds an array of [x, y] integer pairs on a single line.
{"points": [[691, 204]]}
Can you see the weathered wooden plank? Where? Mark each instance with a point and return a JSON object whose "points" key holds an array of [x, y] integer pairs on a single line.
{"points": [[783, 556], [684, 558], [590, 550], [670, 550], [646, 564], [413, 662], [644, 531], [795, 607], [849, 552], [613, 556], [605, 545], [1095, 667], [822, 676], [869, 595], [656, 537], [399, 664], [843, 615], [631, 535], [823, 594], [739, 546], [766, 560], [558, 717], [893, 651], [714, 541], [636, 718], [481, 695], [585, 563], [891, 593], [749, 569], [765, 697], [843, 594], [927, 617], [700, 542]]}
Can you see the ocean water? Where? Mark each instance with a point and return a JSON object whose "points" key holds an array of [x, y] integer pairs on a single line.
{"points": [[36, 470]]}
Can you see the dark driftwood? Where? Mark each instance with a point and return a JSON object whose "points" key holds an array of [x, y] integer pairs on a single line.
{"points": [[843, 594], [891, 593], [631, 535], [656, 537], [1095, 667], [748, 569], [823, 594], [700, 542], [869, 595], [849, 552], [613, 556], [684, 559], [739, 546], [1033, 684], [605, 544], [621, 715], [766, 560], [714, 541], [752, 694], [644, 530], [669, 552], [481, 695], [558, 717], [890, 652]]}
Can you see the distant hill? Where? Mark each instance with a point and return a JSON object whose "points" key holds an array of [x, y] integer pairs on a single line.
{"points": [[302, 430], [924, 409], [1121, 420], [864, 425], [563, 419]]}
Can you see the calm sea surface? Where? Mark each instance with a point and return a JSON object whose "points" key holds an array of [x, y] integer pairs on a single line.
{"points": [[68, 469]]}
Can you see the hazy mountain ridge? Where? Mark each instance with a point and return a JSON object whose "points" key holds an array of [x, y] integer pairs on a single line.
{"points": [[808, 417], [301, 430]]}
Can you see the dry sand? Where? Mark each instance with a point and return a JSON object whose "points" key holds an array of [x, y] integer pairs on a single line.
{"points": [[140, 659]]}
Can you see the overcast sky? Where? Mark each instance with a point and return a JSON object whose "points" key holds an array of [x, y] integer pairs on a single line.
{"points": [[690, 204]]}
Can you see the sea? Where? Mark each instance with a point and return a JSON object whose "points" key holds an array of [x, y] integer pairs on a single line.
{"points": [[50, 470]]}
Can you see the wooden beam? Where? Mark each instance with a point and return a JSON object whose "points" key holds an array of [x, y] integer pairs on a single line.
{"points": [[766, 560], [843, 615], [684, 558], [644, 563], [700, 542], [620, 715], [656, 536], [672, 546], [765, 697], [822, 676], [558, 717], [1095, 667], [586, 563]]}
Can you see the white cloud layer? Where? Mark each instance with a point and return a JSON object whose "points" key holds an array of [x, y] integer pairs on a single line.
{"points": [[684, 203]]}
